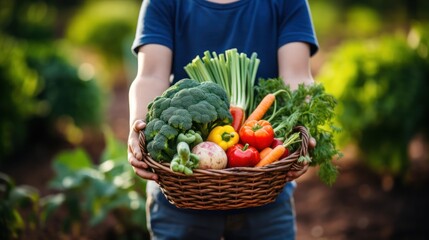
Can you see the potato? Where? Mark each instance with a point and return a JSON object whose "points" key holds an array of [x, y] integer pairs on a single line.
{"points": [[211, 155]]}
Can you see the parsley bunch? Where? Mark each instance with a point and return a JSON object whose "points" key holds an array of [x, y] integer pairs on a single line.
{"points": [[308, 106]]}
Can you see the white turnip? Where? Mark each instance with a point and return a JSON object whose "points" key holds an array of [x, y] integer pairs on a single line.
{"points": [[210, 155]]}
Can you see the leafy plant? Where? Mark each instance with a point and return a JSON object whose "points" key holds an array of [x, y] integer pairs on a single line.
{"points": [[38, 90], [63, 91], [28, 19], [382, 90], [14, 200], [87, 189], [39, 86], [91, 27], [19, 86]]}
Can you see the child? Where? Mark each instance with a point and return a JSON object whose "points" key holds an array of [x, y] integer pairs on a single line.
{"points": [[170, 34]]}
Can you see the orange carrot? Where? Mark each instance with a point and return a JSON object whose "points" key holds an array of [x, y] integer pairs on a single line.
{"points": [[272, 156], [262, 107], [238, 116], [265, 152]]}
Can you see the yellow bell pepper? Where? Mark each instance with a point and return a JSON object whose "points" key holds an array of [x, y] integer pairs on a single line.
{"points": [[224, 136]]}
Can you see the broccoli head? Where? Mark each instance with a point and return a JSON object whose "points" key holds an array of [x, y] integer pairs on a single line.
{"points": [[203, 112], [153, 128], [182, 84], [157, 106], [159, 149], [187, 105]]}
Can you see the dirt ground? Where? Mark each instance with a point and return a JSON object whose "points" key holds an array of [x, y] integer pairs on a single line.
{"points": [[360, 205]]}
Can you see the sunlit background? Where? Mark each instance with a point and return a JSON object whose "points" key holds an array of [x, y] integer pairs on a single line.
{"points": [[65, 68]]}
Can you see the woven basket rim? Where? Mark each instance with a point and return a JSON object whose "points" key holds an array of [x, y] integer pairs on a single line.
{"points": [[277, 165]]}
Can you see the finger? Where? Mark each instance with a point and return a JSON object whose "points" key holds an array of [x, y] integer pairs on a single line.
{"points": [[146, 174], [139, 125], [295, 174], [134, 148], [312, 143], [292, 175], [137, 163], [141, 169]]}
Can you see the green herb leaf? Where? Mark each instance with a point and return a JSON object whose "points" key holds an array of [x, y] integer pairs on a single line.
{"points": [[309, 106]]}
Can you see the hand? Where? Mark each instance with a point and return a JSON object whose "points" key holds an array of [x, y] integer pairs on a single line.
{"points": [[135, 155], [292, 175]]}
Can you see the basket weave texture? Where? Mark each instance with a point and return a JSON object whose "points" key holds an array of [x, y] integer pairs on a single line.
{"points": [[230, 188]]}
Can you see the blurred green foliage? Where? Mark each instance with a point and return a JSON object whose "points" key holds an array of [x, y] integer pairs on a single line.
{"points": [[337, 20], [87, 189], [87, 192], [382, 87], [35, 20], [14, 200], [19, 86], [104, 30], [41, 85], [104, 26], [28, 19], [362, 22], [391, 10], [64, 91]]}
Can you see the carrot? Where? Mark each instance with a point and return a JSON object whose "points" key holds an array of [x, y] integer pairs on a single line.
{"points": [[272, 156], [238, 116], [262, 108], [265, 152]]}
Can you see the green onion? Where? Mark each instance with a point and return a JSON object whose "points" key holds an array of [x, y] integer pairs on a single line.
{"points": [[235, 72]]}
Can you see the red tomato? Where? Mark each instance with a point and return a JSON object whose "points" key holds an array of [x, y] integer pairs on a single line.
{"points": [[258, 134], [242, 156]]}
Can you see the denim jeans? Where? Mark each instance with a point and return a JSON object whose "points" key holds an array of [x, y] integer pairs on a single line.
{"points": [[272, 221]]}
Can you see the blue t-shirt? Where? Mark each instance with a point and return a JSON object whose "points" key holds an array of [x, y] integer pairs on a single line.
{"points": [[190, 27]]}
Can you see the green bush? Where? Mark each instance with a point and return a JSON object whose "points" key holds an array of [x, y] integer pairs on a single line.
{"points": [[90, 190], [382, 87], [104, 26], [326, 16], [82, 195], [27, 19], [362, 22], [39, 88], [64, 92], [19, 85], [14, 200]]}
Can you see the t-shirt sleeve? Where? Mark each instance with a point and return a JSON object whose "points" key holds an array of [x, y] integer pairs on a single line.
{"points": [[296, 24], [154, 24]]}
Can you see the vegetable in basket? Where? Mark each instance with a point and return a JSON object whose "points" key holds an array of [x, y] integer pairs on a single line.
{"points": [[277, 150], [210, 155], [258, 134], [224, 136], [292, 139], [242, 156], [190, 137], [187, 105], [184, 161], [309, 106], [263, 106], [235, 72]]}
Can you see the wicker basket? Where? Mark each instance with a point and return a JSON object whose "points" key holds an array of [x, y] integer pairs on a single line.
{"points": [[230, 188]]}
